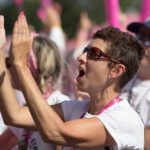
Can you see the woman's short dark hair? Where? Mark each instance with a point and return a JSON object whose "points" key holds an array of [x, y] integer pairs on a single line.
{"points": [[123, 47]]}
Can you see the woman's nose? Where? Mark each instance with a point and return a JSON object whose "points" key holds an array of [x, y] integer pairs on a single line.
{"points": [[82, 57]]}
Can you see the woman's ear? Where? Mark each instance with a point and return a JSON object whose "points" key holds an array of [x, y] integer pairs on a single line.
{"points": [[117, 71]]}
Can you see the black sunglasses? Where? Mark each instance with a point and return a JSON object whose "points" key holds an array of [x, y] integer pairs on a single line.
{"points": [[95, 53]]}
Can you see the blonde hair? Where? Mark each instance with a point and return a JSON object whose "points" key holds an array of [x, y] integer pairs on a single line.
{"points": [[49, 62]]}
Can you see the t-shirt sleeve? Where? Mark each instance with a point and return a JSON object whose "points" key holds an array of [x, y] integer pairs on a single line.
{"points": [[73, 109], [124, 128]]}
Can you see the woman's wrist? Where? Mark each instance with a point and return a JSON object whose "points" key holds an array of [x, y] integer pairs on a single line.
{"points": [[2, 57], [19, 66], [18, 63]]}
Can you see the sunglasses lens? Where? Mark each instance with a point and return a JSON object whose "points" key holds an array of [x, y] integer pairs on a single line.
{"points": [[94, 53]]}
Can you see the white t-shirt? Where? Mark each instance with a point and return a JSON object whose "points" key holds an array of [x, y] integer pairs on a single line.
{"points": [[121, 121], [3, 127], [21, 102], [35, 140], [139, 97]]}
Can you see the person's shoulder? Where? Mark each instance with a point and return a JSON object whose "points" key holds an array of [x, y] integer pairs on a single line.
{"points": [[122, 106], [129, 115], [124, 112], [122, 121]]}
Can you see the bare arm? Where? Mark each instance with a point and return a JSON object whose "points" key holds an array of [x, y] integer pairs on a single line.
{"points": [[78, 133], [12, 113], [85, 25]]}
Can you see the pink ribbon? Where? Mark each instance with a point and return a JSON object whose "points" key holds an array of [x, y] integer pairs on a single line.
{"points": [[31, 60]]}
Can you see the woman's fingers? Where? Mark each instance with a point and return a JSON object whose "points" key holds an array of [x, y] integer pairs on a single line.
{"points": [[20, 27], [21, 42], [21, 30], [2, 33], [15, 32], [1, 22]]}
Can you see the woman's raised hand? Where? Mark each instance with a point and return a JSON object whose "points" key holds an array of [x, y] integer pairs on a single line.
{"points": [[21, 41], [2, 33]]}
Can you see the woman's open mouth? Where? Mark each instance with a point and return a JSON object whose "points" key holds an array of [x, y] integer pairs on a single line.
{"points": [[81, 73]]}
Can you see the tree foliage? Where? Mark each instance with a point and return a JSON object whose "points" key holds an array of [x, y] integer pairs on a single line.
{"points": [[70, 12]]}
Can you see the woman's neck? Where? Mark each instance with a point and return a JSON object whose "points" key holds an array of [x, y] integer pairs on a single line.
{"points": [[99, 101]]}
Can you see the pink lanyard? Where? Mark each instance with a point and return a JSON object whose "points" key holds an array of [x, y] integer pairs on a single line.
{"points": [[114, 101]]}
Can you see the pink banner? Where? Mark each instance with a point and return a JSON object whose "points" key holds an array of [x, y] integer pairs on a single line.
{"points": [[112, 12], [145, 11]]}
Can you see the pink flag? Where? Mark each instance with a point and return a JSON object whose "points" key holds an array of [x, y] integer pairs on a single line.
{"points": [[112, 12], [145, 11], [41, 11]]}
